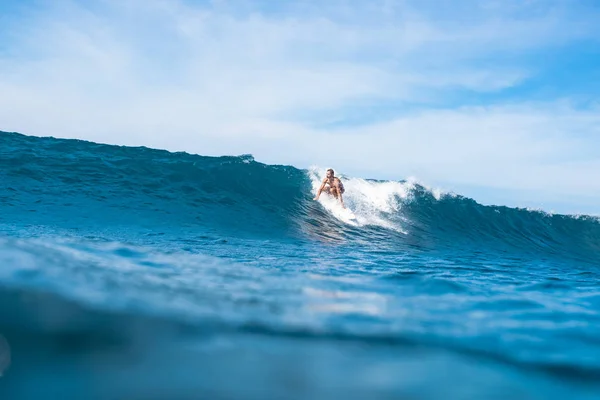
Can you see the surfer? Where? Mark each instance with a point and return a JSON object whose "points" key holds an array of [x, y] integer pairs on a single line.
{"points": [[332, 185]]}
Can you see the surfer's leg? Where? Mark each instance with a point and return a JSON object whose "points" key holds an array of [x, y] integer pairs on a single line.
{"points": [[334, 192]]}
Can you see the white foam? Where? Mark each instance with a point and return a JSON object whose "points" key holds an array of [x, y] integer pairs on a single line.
{"points": [[437, 193]]}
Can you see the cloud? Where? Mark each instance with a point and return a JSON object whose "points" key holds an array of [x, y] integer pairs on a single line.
{"points": [[388, 88]]}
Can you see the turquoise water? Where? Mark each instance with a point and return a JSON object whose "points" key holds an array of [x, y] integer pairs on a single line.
{"points": [[138, 273]]}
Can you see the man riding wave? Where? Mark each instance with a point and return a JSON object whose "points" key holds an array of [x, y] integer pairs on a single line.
{"points": [[332, 185]]}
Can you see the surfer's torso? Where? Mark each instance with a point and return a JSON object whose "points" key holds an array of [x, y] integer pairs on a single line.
{"points": [[333, 181]]}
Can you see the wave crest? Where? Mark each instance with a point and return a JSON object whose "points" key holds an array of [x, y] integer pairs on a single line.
{"points": [[72, 184]]}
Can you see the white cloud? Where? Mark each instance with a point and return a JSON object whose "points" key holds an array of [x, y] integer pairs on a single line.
{"points": [[232, 78]]}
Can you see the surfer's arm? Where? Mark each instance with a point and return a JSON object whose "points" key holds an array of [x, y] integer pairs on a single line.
{"points": [[320, 189]]}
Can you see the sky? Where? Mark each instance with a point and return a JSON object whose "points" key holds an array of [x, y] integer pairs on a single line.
{"points": [[496, 100]]}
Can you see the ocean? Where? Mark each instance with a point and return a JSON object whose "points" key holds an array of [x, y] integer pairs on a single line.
{"points": [[135, 273]]}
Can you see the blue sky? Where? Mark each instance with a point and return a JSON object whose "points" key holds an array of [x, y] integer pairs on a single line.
{"points": [[496, 100]]}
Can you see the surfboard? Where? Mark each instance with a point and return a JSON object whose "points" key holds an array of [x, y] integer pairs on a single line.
{"points": [[346, 214], [335, 208]]}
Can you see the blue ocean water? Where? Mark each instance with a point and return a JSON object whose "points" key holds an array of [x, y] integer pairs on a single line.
{"points": [[144, 274]]}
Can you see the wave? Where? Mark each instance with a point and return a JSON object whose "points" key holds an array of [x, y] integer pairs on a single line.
{"points": [[77, 185]]}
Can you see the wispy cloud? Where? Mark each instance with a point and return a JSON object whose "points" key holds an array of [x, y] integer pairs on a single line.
{"points": [[445, 91]]}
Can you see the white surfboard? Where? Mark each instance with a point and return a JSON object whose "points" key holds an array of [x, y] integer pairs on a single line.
{"points": [[346, 215], [335, 208]]}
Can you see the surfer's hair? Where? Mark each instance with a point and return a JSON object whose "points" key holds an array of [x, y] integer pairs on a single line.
{"points": [[332, 171]]}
